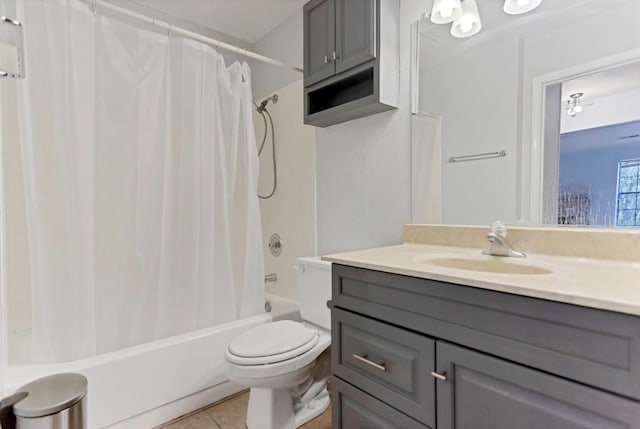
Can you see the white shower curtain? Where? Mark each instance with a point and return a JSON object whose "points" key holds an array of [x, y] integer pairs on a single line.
{"points": [[141, 175]]}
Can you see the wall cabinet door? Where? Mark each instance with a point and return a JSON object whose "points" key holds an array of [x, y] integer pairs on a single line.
{"points": [[483, 392], [355, 33], [319, 40]]}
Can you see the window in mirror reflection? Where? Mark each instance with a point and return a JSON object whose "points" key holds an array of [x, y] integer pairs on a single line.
{"points": [[628, 211], [600, 148]]}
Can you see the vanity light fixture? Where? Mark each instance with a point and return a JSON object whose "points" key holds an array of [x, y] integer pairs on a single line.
{"points": [[466, 18], [575, 105], [469, 23], [517, 7], [446, 11]]}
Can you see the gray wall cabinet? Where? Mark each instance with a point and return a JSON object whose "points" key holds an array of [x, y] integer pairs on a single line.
{"points": [[346, 74], [319, 40], [355, 33], [451, 356]]}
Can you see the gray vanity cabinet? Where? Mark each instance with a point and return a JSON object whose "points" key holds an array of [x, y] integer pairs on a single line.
{"points": [[451, 356], [357, 410], [384, 360], [483, 392]]}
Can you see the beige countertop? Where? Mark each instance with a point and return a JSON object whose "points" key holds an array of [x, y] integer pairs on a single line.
{"points": [[599, 283]]}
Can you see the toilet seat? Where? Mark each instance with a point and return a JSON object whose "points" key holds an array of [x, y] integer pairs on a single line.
{"points": [[272, 343]]}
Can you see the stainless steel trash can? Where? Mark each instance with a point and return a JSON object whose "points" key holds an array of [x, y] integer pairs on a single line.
{"points": [[55, 402]]}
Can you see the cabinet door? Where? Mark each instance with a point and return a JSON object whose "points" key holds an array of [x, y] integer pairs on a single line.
{"points": [[354, 409], [319, 40], [483, 392], [385, 361], [355, 33]]}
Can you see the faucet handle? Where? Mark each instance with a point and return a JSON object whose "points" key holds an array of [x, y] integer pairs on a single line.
{"points": [[499, 228]]}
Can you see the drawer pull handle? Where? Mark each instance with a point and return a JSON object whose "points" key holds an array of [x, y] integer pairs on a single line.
{"points": [[380, 366], [441, 377]]}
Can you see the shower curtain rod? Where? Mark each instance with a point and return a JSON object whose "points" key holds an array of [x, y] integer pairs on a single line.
{"points": [[192, 35]]}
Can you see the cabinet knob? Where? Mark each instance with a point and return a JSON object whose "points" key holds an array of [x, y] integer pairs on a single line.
{"points": [[334, 56], [441, 377], [326, 59]]}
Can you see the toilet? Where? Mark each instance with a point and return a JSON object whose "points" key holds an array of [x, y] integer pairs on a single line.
{"points": [[276, 360]]}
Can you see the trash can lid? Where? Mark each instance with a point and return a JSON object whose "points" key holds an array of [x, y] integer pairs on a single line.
{"points": [[50, 395]]}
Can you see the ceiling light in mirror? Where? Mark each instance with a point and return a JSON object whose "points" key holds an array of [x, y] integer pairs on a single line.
{"points": [[469, 23], [575, 104], [517, 7], [446, 11]]}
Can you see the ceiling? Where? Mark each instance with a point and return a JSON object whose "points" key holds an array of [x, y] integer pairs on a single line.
{"points": [[604, 83], [246, 20]]}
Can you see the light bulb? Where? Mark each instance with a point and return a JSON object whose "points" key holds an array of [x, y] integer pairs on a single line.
{"points": [[446, 11], [516, 7], [466, 25], [469, 23], [577, 108]]}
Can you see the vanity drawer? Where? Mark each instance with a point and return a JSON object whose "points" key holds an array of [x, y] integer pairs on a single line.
{"points": [[354, 409], [390, 363], [594, 347]]}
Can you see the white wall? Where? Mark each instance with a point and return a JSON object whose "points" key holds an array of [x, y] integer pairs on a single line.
{"points": [[291, 212], [614, 109], [363, 166], [477, 100], [284, 43]]}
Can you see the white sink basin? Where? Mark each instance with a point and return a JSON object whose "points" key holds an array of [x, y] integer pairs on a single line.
{"points": [[498, 265]]}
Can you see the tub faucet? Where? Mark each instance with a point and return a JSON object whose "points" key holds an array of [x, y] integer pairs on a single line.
{"points": [[499, 243]]}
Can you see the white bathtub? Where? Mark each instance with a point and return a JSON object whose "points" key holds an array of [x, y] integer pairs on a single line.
{"points": [[143, 386]]}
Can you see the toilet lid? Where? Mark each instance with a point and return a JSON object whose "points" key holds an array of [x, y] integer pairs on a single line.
{"points": [[273, 339]]}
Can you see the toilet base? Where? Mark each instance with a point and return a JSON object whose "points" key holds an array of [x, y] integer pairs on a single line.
{"points": [[313, 408], [274, 409]]}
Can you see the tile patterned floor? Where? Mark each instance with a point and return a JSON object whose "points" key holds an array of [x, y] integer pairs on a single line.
{"points": [[231, 414]]}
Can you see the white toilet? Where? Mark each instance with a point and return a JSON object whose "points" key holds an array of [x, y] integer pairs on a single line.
{"points": [[276, 359]]}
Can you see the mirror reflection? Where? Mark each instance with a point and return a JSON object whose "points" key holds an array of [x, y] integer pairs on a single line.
{"points": [[534, 119]]}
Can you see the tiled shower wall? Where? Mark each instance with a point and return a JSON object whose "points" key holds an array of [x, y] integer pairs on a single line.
{"points": [[291, 212]]}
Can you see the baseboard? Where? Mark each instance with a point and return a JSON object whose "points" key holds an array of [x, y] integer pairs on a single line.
{"points": [[180, 407]]}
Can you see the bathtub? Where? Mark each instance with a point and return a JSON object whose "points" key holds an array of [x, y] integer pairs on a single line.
{"points": [[146, 385]]}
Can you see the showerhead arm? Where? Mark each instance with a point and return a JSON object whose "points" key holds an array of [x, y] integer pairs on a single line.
{"points": [[263, 105]]}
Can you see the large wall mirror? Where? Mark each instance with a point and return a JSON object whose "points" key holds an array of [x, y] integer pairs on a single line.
{"points": [[534, 120]]}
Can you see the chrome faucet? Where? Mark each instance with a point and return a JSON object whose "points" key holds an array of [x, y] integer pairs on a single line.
{"points": [[499, 244]]}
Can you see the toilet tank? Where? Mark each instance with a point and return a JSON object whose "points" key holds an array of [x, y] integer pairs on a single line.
{"points": [[314, 290]]}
